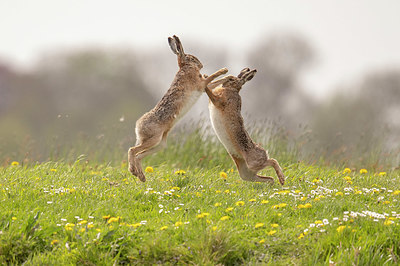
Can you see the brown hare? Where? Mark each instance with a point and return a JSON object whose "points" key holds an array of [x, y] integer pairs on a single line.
{"points": [[225, 111], [153, 127]]}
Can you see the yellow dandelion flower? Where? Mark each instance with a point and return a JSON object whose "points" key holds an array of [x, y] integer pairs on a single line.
{"points": [[82, 230], [272, 232], [396, 192], [217, 204], [318, 222], [214, 228], [303, 199], [53, 170], [218, 191], [386, 202], [82, 222], [274, 225], [180, 172], [300, 236], [106, 217], [202, 215], [258, 225], [136, 225], [54, 242], [349, 182], [149, 169], [223, 175], [339, 193], [239, 203], [347, 178], [90, 226], [177, 224], [307, 205], [264, 201], [341, 228], [382, 174], [163, 228], [346, 171], [388, 222], [229, 209], [252, 200], [363, 171], [13, 218], [113, 219], [224, 218], [262, 241], [226, 191], [176, 188], [15, 163]]}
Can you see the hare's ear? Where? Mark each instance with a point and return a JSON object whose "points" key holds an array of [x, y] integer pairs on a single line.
{"points": [[248, 76], [243, 71], [172, 44], [179, 46]]}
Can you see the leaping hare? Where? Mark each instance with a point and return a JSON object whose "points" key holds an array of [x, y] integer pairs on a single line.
{"points": [[225, 111], [153, 127]]}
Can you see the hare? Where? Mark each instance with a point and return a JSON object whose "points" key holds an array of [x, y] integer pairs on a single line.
{"points": [[225, 111], [153, 127]]}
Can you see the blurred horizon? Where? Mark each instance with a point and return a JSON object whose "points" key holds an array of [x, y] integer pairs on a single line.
{"points": [[73, 71]]}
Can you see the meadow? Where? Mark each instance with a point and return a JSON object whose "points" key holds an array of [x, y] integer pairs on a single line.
{"points": [[195, 209]]}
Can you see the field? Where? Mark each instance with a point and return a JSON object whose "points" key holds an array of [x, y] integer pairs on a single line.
{"points": [[194, 209]]}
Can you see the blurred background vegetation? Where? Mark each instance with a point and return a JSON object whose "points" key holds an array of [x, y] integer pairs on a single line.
{"points": [[87, 101]]}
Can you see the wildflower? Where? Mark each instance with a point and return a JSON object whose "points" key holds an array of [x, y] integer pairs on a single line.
{"points": [[69, 226], [239, 203], [264, 201], [54, 242], [317, 222], [175, 188], [386, 202], [177, 224], [214, 228], [363, 171], [180, 172], [303, 199], [382, 174], [113, 219], [340, 228], [149, 169], [347, 178], [280, 205], [53, 170], [388, 222], [226, 191], [258, 225], [229, 209], [217, 204], [82, 230], [252, 200], [274, 225], [396, 192], [90, 226], [13, 218], [339, 193], [346, 171], [223, 175], [262, 241], [272, 232], [223, 218], [218, 191], [300, 236], [82, 222], [15, 163], [136, 225], [202, 215], [307, 205]]}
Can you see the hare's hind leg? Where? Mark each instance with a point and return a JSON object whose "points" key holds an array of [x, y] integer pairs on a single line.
{"points": [[247, 174], [144, 145], [274, 163]]}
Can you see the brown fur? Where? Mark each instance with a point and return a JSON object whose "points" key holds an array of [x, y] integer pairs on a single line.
{"points": [[225, 110], [153, 127]]}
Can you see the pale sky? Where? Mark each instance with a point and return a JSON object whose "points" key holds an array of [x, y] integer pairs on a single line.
{"points": [[351, 38]]}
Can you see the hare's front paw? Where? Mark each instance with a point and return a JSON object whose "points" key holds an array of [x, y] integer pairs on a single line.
{"points": [[224, 70]]}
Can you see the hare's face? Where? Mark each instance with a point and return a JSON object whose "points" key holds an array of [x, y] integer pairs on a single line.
{"points": [[192, 61], [232, 82]]}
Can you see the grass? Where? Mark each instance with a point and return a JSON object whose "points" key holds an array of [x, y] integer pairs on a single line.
{"points": [[96, 213]]}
